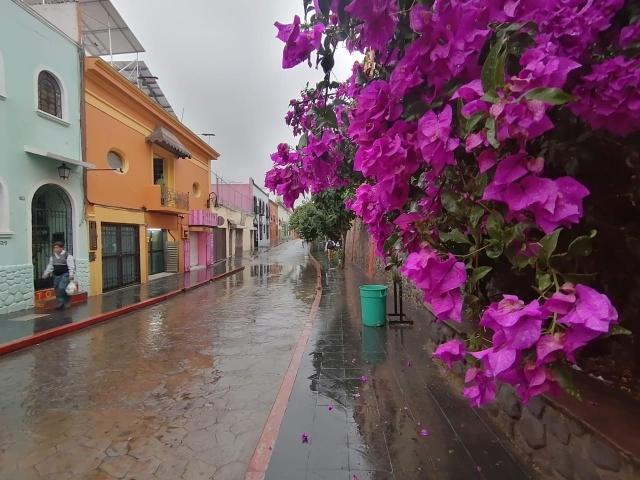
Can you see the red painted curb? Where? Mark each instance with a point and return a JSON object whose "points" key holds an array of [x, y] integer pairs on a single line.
{"points": [[262, 454], [72, 327]]}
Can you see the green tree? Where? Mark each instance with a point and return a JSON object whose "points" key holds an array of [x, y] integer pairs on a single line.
{"points": [[324, 216]]}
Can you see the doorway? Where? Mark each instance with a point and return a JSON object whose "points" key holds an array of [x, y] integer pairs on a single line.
{"points": [[157, 251], [219, 244], [51, 221], [194, 244], [120, 255], [238, 243]]}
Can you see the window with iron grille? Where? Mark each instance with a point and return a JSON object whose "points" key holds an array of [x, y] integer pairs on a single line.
{"points": [[49, 94]]}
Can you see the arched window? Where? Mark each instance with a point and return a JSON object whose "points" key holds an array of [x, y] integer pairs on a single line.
{"points": [[49, 94]]}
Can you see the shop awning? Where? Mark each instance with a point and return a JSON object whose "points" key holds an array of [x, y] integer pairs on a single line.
{"points": [[59, 158], [167, 140]]}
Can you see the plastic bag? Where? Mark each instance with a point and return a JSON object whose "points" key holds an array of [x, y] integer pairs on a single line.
{"points": [[72, 288]]}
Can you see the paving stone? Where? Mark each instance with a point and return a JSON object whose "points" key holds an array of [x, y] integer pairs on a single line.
{"points": [[532, 430], [510, 403], [557, 425], [584, 470], [604, 456], [536, 406], [117, 467]]}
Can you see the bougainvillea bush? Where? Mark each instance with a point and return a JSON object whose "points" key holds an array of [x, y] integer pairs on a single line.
{"points": [[469, 134]]}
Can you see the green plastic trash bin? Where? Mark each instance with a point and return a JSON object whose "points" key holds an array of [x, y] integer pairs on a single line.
{"points": [[373, 300]]}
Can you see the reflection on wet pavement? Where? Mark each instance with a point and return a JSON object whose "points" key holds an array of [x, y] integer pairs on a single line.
{"points": [[24, 324], [180, 390], [374, 406]]}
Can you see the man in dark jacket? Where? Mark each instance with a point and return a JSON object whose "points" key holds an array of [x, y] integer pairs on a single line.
{"points": [[63, 268]]}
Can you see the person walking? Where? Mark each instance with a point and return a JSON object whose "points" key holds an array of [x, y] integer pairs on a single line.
{"points": [[63, 268]]}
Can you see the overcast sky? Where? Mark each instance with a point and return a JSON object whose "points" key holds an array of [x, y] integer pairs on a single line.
{"points": [[220, 62]]}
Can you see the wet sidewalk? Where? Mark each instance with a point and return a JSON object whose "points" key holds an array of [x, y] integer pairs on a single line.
{"points": [[177, 391], [26, 323], [369, 403]]}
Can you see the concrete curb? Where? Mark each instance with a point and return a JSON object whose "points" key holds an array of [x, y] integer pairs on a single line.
{"points": [[25, 342], [261, 457]]}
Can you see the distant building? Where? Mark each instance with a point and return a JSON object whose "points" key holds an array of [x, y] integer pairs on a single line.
{"points": [[41, 160], [274, 233], [233, 203], [284, 231]]}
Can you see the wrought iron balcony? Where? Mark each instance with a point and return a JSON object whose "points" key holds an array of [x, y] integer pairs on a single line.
{"points": [[161, 198]]}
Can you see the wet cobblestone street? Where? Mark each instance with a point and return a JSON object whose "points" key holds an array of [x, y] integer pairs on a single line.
{"points": [[180, 390], [374, 406]]}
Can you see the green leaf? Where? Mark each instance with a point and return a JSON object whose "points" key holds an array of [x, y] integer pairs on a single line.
{"points": [[491, 132], [495, 249], [304, 140], [391, 242], [476, 214], [495, 223], [618, 330], [468, 125], [552, 96], [479, 273], [544, 281], [549, 244], [582, 246], [449, 202], [455, 236], [562, 374], [492, 75]]}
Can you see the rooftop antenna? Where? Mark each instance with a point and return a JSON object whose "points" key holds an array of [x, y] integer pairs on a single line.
{"points": [[208, 135]]}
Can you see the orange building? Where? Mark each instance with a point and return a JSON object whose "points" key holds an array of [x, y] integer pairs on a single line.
{"points": [[147, 200]]}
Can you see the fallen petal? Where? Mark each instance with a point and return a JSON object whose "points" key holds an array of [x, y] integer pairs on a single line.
{"points": [[424, 432]]}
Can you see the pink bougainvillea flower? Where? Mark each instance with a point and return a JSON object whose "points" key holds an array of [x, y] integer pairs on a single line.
{"points": [[419, 18], [609, 97], [540, 68], [304, 437], [562, 208], [435, 140], [298, 43], [630, 35], [364, 378], [591, 309], [486, 160], [547, 347], [480, 388], [450, 352], [379, 21], [440, 280], [538, 379], [375, 108], [586, 314]]}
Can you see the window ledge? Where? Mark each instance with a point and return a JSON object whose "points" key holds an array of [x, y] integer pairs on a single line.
{"points": [[6, 234], [2, 96], [53, 118]]}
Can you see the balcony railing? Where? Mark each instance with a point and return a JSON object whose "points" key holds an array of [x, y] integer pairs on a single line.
{"points": [[173, 199]]}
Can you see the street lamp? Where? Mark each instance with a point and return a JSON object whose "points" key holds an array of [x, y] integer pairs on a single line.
{"points": [[64, 171]]}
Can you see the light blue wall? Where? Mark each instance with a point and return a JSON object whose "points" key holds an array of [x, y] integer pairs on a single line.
{"points": [[28, 45]]}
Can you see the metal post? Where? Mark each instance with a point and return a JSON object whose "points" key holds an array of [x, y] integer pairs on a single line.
{"points": [[398, 310]]}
